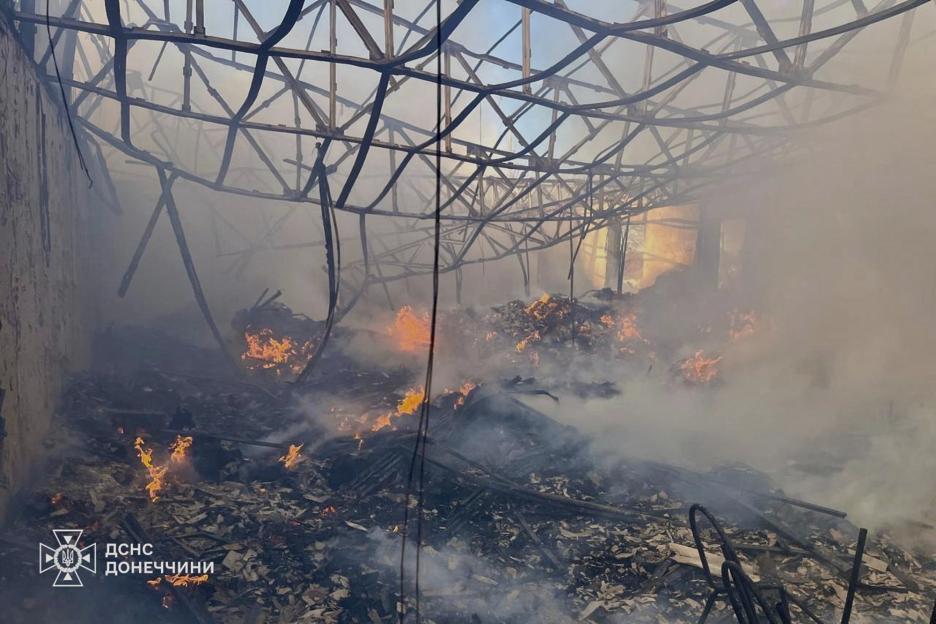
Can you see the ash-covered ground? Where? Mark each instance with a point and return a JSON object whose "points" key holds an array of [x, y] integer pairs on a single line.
{"points": [[296, 493]]}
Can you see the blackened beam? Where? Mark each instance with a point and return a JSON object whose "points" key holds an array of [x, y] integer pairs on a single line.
{"points": [[287, 75], [116, 32], [505, 89], [215, 436], [805, 27], [69, 11], [595, 56], [191, 63], [148, 158], [628, 31], [624, 209], [767, 33], [855, 25], [271, 128], [481, 57], [495, 483], [189, 263], [141, 246], [373, 48], [855, 576], [263, 55]]}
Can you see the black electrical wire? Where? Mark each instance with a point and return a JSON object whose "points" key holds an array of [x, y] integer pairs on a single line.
{"points": [[589, 210], [332, 244], [58, 76], [422, 430], [572, 273]]}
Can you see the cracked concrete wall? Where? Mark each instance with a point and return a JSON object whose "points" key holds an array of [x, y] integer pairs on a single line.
{"points": [[44, 263]]}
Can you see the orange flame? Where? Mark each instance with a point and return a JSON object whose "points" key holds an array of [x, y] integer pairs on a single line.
{"points": [[407, 405], [410, 401], [266, 351], [184, 580], [700, 369], [382, 422], [527, 341], [544, 306], [627, 328], [179, 448], [156, 473], [463, 393], [410, 330], [292, 456], [742, 324]]}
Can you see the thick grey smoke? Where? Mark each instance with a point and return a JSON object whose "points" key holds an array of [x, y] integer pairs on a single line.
{"points": [[838, 259], [834, 395]]}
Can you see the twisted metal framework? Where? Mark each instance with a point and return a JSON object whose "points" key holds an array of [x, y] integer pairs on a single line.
{"points": [[632, 105]]}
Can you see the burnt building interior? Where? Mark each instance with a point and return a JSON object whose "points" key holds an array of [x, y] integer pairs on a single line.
{"points": [[483, 311]]}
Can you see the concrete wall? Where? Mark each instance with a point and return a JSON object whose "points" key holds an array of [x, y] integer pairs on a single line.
{"points": [[44, 245]]}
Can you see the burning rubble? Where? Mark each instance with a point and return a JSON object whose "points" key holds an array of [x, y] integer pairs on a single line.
{"points": [[292, 457], [156, 473], [699, 369], [553, 324], [410, 330], [178, 580], [407, 406], [267, 352], [743, 324], [276, 340], [179, 447], [521, 522]]}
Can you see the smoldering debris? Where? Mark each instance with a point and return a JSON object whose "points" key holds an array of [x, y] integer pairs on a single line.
{"points": [[297, 497]]}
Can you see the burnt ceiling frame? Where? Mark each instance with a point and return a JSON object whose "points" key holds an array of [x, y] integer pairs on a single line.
{"points": [[498, 201]]}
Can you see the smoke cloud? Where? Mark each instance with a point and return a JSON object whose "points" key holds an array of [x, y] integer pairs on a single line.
{"points": [[833, 395]]}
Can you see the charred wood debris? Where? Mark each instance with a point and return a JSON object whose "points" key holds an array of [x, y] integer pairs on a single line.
{"points": [[301, 516]]}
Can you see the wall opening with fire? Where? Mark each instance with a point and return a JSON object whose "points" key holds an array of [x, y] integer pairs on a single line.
{"points": [[658, 241]]}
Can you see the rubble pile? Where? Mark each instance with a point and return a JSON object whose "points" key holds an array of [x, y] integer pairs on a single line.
{"points": [[554, 323], [302, 520], [277, 341]]}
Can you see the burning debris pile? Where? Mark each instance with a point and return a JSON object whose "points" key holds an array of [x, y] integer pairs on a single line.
{"points": [[699, 369], [554, 322], [302, 521], [295, 493], [277, 341], [518, 336], [410, 330], [553, 328]]}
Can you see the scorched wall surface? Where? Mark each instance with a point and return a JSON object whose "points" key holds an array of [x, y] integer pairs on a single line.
{"points": [[44, 246]]}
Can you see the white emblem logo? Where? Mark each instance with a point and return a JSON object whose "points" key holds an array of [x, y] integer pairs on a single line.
{"points": [[67, 558]]}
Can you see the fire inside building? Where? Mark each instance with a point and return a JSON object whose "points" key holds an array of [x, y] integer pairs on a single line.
{"points": [[482, 311]]}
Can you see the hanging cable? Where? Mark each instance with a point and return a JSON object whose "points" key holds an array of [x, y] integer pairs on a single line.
{"points": [[422, 430], [58, 76], [332, 243]]}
